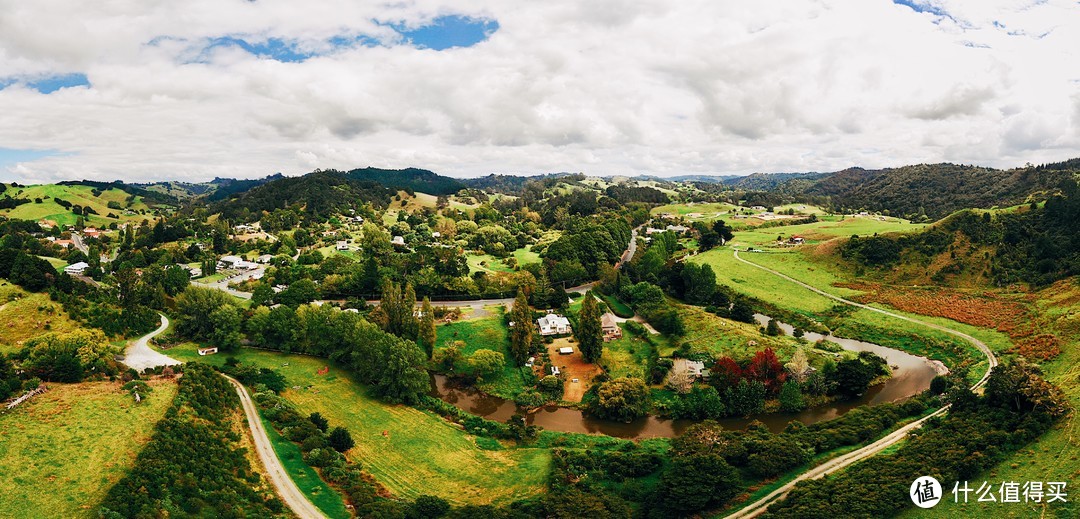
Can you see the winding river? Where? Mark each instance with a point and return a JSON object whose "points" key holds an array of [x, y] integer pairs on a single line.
{"points": [[911, 375]]}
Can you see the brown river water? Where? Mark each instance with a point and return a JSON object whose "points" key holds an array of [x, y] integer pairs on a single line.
{"points": [[911, 375]]}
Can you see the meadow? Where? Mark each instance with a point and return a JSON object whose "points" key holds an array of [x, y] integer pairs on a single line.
{"points": [[408, 451], [488, 332], [64, 449], [48, 209], [26, 315]]}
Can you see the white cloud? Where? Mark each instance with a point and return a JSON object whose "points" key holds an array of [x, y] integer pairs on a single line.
{"points": [[658, 87]]}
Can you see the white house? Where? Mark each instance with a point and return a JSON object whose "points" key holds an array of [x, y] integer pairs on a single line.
{"points": [[76, 269], [553, 324], [398, 241], [265, 258], [693, 368], [342, 245]]}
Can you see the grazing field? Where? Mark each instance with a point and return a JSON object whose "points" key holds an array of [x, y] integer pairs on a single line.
{"points": [[49, 210], [617, 307], [25, 315], [525, 256], [626, 356], [708, 211], [486, 263], [706, 332], [64, 449], [485, 333], [408, 451]]}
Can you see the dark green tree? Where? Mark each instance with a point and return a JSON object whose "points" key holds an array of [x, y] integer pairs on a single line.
{"points": [[589, 332], [340, 439]]}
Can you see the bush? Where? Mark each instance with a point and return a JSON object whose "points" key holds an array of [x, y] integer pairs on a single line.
{"points": [[340, 439]]}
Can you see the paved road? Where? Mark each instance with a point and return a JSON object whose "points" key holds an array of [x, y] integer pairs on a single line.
{"points": [[139, 355], [76, 238], [286, 488], [759, 507]]}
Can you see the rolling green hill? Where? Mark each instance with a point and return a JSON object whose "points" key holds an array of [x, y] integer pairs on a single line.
{"points": [[55, 203]]}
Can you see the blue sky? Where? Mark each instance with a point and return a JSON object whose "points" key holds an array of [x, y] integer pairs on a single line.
{"points": [[49, 84], [450, 31], [10, 157], [444, 32]]}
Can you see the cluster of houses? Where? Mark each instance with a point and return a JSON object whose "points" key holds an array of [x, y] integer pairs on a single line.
{"points": [[677, 229], [555, 324], [236, 263]]}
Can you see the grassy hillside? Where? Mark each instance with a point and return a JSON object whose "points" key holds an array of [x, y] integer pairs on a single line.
{"points": [[62, 451], [49, 210], [410, 452], [24, 315]]}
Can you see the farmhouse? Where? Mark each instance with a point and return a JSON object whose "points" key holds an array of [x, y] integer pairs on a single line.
{"points": [[76, 269], [553, 324], [208, 351], [265, 258], [91, 232], [610, 327], [342, 245]]}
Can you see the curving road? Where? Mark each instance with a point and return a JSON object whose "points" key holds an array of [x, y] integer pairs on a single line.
{"points": [[283, 484], [760, 506], [140, 356]]}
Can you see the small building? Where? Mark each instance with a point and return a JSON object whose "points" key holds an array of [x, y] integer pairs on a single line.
{"points": [[436, 234], [610, 327], [529, 363], [555, 370], [64, 243], [342, 245], [553, 324], [398, 241], [208, 351], [693, 368], [91, 232], [76, 269], [758, 208], [265, 258], [566, 350], [678, 228]]}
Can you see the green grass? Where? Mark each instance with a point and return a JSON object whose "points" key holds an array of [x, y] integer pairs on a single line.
{"points": [[485, 333], [63, 450], [626, 356], [420, 453], [486, 263], [28, 316], [328, 500], [525, 256], [80, 195], [706, 332], [618, 307]]}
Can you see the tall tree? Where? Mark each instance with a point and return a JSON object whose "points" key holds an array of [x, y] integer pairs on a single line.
{"points": [[589, 332], [521, 334], [426, 337]]}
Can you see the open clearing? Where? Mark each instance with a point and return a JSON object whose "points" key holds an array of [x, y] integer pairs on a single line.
{"points": [[64, 449], [410, 452], [25, 315], [573, 367]]}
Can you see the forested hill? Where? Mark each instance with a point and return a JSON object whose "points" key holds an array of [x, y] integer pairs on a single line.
{"points": [[1036, 244], [409, 179], [935, 190], [319, 194]]}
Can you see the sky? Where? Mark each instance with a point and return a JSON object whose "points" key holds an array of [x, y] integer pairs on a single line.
{"points": [[144, 90]]}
